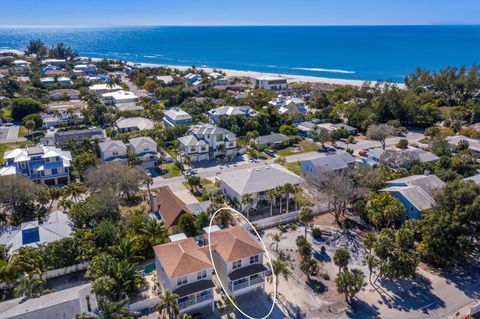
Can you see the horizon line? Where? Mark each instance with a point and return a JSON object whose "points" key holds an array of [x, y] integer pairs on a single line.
{"points": [[228, 25]]}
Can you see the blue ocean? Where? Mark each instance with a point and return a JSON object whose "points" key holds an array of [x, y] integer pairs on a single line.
{"points": [[356, 52]]}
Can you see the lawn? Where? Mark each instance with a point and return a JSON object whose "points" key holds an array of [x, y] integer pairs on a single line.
{"points": [[172, 170], [22, 131], [304, 146], [295, 167]]}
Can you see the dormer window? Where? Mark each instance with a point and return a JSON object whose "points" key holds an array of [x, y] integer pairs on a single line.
{"points": [[115, 153], [237, 264]]}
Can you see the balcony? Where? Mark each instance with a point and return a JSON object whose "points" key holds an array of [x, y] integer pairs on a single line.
{"points": [[195, 299]]}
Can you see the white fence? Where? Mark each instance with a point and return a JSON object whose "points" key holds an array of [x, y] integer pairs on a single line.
{"points": [[66, 270], [144, 304]]}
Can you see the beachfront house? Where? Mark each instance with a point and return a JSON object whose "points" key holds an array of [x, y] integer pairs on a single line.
{"points": [[40, 163], [55, 226], [166, 79], [176, 116], [145, 149], [257, 182], [170, 208], [20, 66], [225, 111], [54, 62], [183, 267], [238, 260], [206, 142], [316, 170], [270, 83], [415, 192], [113, 150], [80, 69], [133, 124]]}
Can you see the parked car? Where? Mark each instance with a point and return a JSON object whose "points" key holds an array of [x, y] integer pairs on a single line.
{"points": [[269, 152], [363, 153]]}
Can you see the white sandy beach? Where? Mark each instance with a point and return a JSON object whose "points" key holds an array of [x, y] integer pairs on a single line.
{"points": [[291, 78]]}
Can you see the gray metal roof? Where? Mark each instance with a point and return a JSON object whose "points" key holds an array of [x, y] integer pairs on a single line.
{"points": [[429, 183], [334, 162], [61, 304], [415, 195], [271, 138], [260, 179], [142, 139], [107, 144]]}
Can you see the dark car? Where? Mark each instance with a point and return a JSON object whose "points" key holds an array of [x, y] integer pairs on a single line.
{"points": [[269, 152]]}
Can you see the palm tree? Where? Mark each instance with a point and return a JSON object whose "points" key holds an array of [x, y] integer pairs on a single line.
{"points": [[309, 267], [288, 188], [369, 241], [127, 249], [372, 262], [54, 193], [306, 217], [247, 200], [73, 190], [65, 203], [341, 258], [148, 182], [168, 305], [186, 161], [280, 268], [111, 309], [271, 195], [30, 286], [277, 238], [280, 191]]}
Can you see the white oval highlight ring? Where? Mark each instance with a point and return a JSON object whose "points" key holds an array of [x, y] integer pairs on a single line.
{"points": [[267, 254]]}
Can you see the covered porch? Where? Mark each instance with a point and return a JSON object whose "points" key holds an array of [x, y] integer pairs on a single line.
{"points": [[195, 295]]}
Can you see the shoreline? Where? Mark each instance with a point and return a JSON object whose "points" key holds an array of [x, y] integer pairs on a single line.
{"points": [[292, 78]]}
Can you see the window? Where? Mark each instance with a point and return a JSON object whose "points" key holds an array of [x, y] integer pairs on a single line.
{"points": [[237, 264], [54, 171], [146, 149], [192, 149], [203, 148], [201, 275], [23, 165], [219, 138], [254, 259], [181, 281], [115, 153]]}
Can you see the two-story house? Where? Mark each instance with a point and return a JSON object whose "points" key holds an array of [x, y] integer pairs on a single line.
{"points": [[146, 150], [225, 111], [317, 170], [184, 268], [270, 83], [238, 260], [176, 116], [45, 164], [207, 141], [113, 151]]}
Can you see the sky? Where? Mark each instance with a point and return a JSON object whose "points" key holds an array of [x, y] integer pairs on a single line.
{"points": [[239, 12]]}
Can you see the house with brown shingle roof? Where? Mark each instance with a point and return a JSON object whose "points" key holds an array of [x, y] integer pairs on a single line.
{"points": [[238, 260], [184, 268], [170, 208]]}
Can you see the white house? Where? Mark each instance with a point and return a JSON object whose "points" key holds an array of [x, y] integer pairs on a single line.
{"points": [[207, 141], [183, 268], [85, 69], [54, 62], [34, 234], [176, 116], [119, 97], [238, 261], [133, 124], [47, 81], [244, 110], [270, 83], [113, 151], [146, 150], [289, 105], [104, 88], [20, 66], [64, 80]]}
